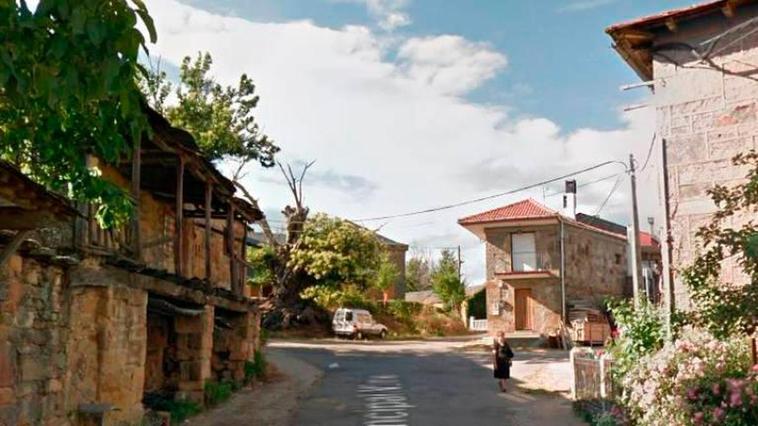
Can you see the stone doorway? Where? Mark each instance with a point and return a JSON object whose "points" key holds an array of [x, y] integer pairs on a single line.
{"points": [[177, 359], [232, 345]]}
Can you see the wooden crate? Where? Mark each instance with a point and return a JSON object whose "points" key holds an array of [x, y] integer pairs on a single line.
{"points": [[592, 333]]}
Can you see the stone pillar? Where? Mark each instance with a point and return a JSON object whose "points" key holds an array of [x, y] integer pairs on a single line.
{"points": [[194, 352], [106, 350]]}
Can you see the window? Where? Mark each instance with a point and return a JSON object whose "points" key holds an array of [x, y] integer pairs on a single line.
{"points": [[523, 252]]}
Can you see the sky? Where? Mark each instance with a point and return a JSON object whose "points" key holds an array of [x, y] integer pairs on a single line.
{"points": [[407, 105]]}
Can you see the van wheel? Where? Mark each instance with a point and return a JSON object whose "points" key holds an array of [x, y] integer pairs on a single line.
{"points": [[383, 334], [358, 335]]}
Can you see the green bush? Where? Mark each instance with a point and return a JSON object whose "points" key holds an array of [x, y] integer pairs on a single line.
{"points": [[695, 380], [179, 410], [402, 310], [255, 369], [330, 298], [182, 410], [642, 332], [217, 392]]}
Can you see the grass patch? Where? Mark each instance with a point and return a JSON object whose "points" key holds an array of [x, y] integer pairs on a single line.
{"points": [[256, 369], [179, 410], [217, 392]]}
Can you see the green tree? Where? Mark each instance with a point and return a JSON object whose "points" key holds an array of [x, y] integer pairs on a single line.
{"points": [[68, 73], [334, 251], [261, 261], [417, 273], [386, 276], [727, 308], [220, 118], [446, 283]]}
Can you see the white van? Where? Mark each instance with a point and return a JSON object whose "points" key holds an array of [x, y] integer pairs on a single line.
{"points": [[356, 323]]}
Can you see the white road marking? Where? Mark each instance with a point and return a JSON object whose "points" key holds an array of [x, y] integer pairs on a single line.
{"points": [[386, 402]]}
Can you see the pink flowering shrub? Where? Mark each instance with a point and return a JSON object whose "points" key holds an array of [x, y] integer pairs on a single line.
{"points": [[696, 380]]}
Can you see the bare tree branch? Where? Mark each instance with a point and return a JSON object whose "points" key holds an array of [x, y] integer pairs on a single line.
{"points": [[263, 222]]}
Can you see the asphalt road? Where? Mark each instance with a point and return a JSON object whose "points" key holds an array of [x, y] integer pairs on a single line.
{"points": [[420, 383]]}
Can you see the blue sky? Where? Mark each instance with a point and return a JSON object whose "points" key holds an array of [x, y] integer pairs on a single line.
{"points": [[412, 104], [561, 65]]}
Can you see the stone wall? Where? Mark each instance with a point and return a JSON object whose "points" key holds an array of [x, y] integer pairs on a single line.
{"points": [[194, 352], [498, 248], [596, 265], [106, 349], [545, 305], [32, 356], [232, 347], [706, 117]]}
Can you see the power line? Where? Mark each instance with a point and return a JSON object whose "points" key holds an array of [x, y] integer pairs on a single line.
{"points": [[649, 152], [489, 197], [592, 182], [613, 189]]}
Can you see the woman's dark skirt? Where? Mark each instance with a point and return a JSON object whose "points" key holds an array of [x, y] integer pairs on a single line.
{"points": [[502, 369]]}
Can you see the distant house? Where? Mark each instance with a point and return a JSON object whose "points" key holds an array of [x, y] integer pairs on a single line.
{"points": [[699, 62], [650, 249], [397, 253], [540, 263], [425, 297]]}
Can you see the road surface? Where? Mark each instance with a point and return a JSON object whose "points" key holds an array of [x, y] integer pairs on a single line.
{"points": [[424, 383]]}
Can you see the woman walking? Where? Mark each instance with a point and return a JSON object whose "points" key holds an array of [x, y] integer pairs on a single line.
{"points": [[503, 354]]}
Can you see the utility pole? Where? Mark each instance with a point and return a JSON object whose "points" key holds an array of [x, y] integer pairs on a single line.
{"points": [[460, 278], [666, 243], [635, 238]]}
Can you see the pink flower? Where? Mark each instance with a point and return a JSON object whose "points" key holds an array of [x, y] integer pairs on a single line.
{"points": [[735, 398], [692, 394], [755, 368], [718, 413], [699, 416], [716, 389]]}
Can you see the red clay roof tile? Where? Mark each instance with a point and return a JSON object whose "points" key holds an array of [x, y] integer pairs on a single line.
{"points": [[525, 209]]}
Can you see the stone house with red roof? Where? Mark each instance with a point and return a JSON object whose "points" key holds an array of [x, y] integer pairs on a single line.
{"points": [[540, 262]]}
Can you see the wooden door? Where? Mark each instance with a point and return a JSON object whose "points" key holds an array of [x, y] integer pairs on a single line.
{"points": [[523, 308]]}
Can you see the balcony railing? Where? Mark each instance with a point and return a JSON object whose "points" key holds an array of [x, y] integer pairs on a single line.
{"points": [[116, 240]]}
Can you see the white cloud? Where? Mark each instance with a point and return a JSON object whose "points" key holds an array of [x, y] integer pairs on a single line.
{"points": [[449, 63], [389, 14], [397, 130]]}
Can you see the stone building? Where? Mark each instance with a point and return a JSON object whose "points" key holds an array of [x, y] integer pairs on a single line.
{"points": [[103, 323], [396, 252], [540, 263], [701, 63]]}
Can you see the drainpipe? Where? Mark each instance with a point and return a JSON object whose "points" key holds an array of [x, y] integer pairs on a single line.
{"points": [[563, 274]]}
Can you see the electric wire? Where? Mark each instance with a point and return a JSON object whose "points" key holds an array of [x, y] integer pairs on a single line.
{"points": [[489, 197], [610, 194]]}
